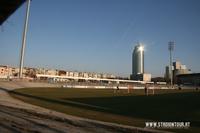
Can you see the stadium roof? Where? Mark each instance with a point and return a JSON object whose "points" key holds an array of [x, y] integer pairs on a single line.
{"points": [[8, 7], [188, 75]]}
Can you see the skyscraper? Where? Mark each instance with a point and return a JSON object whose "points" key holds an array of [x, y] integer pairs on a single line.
{"points": [[138, 60], [138, 64]]}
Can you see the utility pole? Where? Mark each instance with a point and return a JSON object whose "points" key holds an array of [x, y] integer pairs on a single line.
{"points": [[24, 39], [171, 48]]}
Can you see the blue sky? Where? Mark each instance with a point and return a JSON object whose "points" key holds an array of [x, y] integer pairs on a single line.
{"points": [[99, 35]]}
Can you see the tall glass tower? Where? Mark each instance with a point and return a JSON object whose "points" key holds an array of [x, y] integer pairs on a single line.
{"points": [[138, 60]]}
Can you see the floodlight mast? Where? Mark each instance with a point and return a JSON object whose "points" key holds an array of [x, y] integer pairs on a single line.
{"points": [[171, 48], [24, 39]]}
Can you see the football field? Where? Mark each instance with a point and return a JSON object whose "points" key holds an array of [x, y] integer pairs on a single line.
{"points": [[134, 108]]}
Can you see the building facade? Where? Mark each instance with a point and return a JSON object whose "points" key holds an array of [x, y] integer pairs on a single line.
{"points": [[189, 79], [177, 69], [138, 64], [138, 60]]}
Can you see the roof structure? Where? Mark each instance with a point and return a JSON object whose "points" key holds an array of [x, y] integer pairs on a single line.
{"points": [[8, 7], [189, 74]]}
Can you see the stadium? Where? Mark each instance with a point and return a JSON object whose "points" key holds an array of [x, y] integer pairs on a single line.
{"points": [[60, 101]]}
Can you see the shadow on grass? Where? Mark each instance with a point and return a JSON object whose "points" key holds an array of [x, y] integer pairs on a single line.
{"points": [[164, 107], [62, 102]]}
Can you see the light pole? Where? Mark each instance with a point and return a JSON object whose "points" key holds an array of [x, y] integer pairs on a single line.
{"points": [[24, 40], [171, 48]]}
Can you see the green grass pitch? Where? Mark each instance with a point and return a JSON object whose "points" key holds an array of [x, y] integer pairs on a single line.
{"points": [[133, 108]]}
